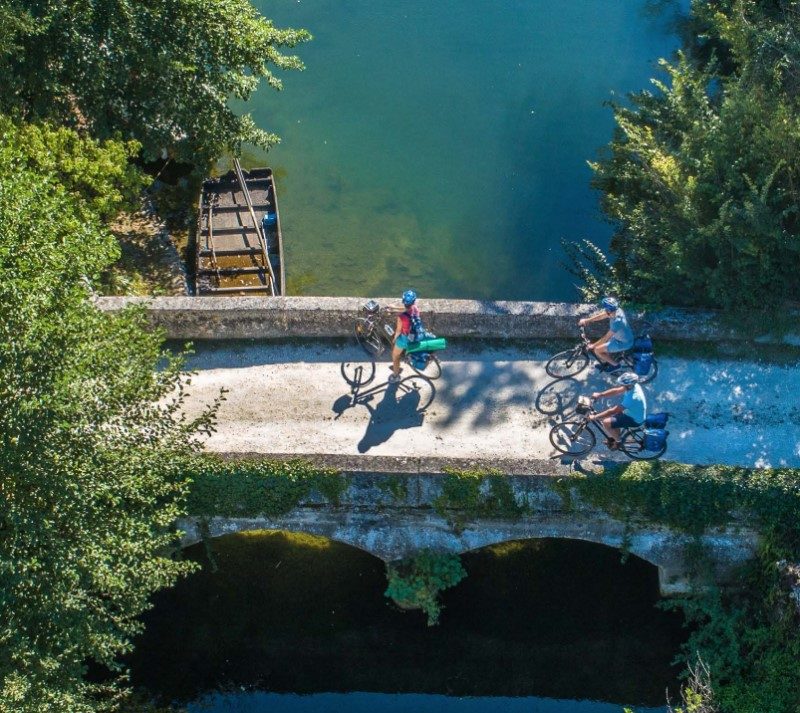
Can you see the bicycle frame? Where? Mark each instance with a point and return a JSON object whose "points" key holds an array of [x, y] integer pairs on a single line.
{"points": [[601, 429], [571, 362], [377, 320]]}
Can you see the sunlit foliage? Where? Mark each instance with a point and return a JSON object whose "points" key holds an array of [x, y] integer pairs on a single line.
{"points": [[161, 73]]}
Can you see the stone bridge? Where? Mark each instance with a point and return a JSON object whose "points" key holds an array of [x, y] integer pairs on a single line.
{"points": [[389, 509]]}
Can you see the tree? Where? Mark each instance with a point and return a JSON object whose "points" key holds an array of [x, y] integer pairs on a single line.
{"points": [[161, 73], [99, 175], [91, 449], [699, 179]]}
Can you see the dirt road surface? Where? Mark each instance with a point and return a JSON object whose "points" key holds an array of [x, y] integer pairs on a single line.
{"points": [[488, 403]]}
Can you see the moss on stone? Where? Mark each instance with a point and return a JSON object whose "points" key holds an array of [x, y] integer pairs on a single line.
{"points": [[251, 487], [478, 494]]}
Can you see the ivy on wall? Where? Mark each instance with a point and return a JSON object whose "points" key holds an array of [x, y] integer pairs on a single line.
{"points": [[691, 498], [251, 487], [472, 495]]}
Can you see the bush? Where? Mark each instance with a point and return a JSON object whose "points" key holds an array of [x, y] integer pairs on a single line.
{"points": [[416, 582]]}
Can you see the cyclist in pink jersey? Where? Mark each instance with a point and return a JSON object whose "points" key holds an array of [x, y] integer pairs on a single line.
{"points": [[405, 330]]}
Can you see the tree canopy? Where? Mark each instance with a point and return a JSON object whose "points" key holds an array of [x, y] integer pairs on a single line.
{"points": [[161, 73], [91, 438], [701, 180]]}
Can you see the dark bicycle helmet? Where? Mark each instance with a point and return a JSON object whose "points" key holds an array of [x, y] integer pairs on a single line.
{"points": [[609, 304], [409, 298]]}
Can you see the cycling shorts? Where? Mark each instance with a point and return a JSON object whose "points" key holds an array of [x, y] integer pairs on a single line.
{"points": [[615, 345], [402, 341], [622, 420]]}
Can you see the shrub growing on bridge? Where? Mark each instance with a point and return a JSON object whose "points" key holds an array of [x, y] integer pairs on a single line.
{"points": [[416, 582]]}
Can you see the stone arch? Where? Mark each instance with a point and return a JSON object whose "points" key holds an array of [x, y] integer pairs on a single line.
{"points": [[221, 527], [393, 535]]}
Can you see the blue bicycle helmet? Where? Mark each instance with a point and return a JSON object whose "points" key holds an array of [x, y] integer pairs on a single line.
{"points": [[409, 298], [628, 379], [609, 304]]}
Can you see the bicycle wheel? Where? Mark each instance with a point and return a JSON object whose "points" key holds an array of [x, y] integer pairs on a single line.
{"points": [[573, 437], [431, 370], [368, 338], [568, 363], [632, 445]]}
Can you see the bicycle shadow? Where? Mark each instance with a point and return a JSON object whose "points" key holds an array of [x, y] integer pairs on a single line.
{"points": [[392, 407], [559, 397]]}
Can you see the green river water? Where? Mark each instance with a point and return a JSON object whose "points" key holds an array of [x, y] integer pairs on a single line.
{"points": [[443, 145]]}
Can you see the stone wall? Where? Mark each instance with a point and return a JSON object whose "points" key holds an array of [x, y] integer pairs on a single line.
{"points": [[324, 317], [392, 522]]}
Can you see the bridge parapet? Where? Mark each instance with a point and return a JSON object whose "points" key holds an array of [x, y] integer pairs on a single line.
{"points": [[327, 317], [394, 507]]}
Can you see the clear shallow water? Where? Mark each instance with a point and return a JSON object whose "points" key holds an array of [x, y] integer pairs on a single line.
{"points": [[394, 703], [443, 145]]}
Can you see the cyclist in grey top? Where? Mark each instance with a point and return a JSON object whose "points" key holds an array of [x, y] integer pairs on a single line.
{"points": [[629, 413], [617, 339]]}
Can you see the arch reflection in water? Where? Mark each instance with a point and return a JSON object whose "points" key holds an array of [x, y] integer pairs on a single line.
{"points": [[302, 614]]}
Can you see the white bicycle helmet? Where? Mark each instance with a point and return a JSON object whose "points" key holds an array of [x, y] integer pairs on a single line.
{"points": [[628, 379]]}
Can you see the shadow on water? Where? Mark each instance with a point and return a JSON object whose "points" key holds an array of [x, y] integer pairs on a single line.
{"points": [[297, 613]]}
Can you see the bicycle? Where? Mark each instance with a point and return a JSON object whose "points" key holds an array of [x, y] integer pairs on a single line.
{"points": [[572, 362], [577, 437], [374, 333]]}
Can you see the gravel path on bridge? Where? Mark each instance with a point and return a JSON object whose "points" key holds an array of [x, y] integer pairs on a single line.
{"points": [[488, 403]]}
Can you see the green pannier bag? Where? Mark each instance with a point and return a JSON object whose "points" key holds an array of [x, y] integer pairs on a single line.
{"points": [[427, 345]]}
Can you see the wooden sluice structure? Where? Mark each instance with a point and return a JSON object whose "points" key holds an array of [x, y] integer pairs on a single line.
{"points": [[239, 242]]}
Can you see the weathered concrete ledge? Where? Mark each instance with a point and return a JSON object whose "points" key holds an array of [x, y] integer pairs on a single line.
{"points": [[387, 509], [415, 465], [326, 317]]}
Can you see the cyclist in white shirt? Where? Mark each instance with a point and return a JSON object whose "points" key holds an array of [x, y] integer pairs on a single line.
{"points": [[619, 337], [629, 413]]}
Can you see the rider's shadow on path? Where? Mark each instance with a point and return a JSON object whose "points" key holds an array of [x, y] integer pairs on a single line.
{"points": [[397, 410], [392, 407]]}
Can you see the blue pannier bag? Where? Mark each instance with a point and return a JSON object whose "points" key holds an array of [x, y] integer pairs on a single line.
{"points": [[419, 360], [642, 362], [655, 439], [643, 344], [656, 420]]}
